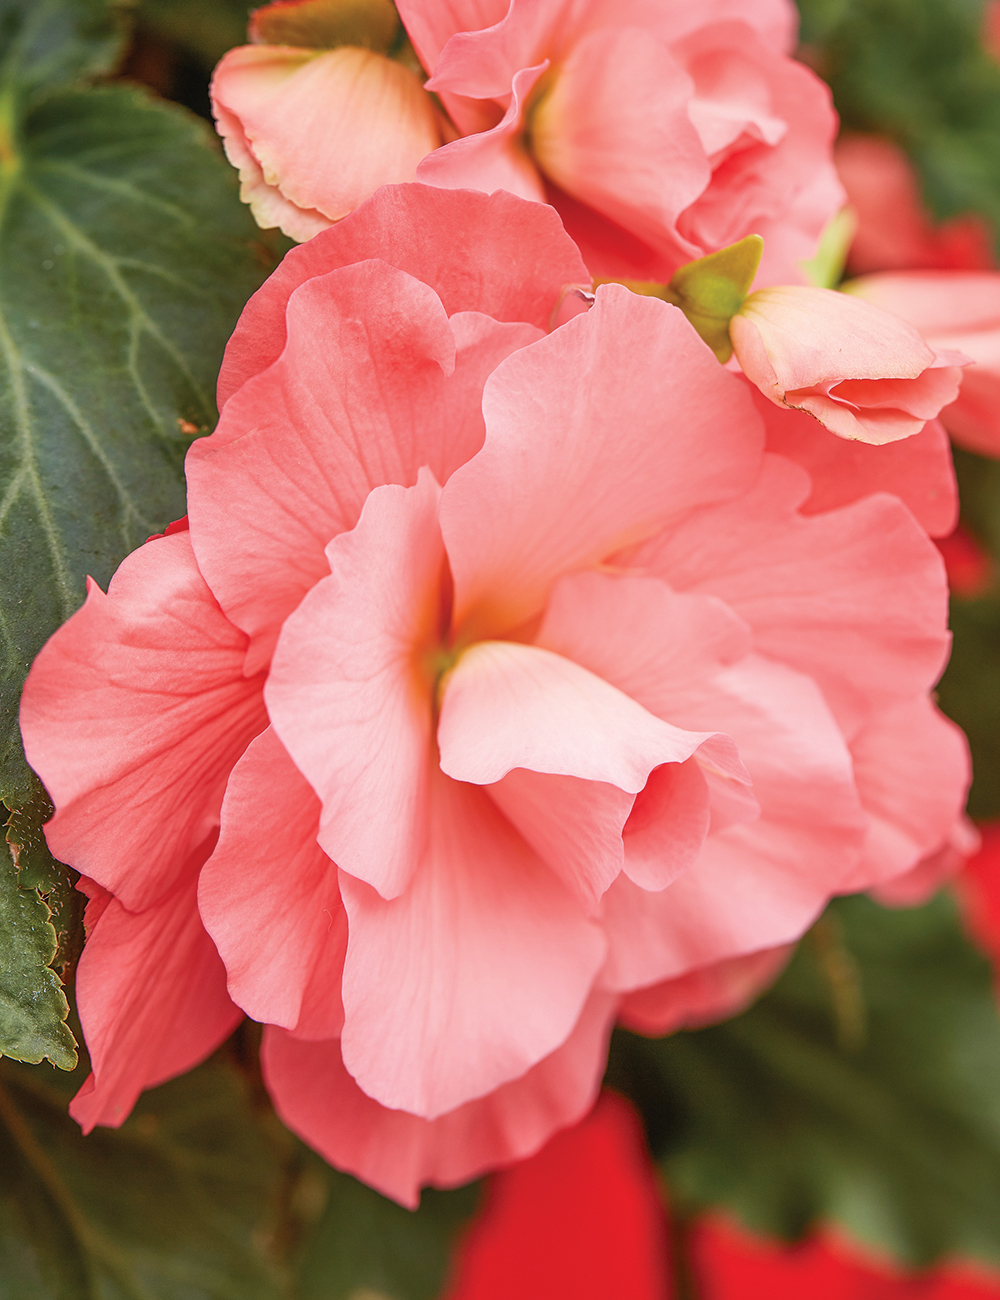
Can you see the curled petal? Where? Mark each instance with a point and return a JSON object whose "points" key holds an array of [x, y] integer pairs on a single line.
{"points": [[267, 864], [151, 990], [133, 715], [347, 694], [630, 444], [441, 985], [397, 1152], [497, 254], [510, 705], [325, 129], [859, 370]]}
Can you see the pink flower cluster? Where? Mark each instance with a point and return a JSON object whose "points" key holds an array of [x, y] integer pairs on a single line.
{"points": [[520, 668]]}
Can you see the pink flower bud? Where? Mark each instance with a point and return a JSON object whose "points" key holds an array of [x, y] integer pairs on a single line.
{"points": [[859, 370]]}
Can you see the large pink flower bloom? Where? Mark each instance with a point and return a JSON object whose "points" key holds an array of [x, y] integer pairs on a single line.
{"points": [[500, 680], [660, 130]]}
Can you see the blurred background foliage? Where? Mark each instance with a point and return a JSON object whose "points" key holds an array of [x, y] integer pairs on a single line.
{"points": [[864, 1089]]}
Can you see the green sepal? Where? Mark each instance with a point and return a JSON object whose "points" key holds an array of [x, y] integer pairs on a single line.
{"points": [[325, 24], [709, 291]]}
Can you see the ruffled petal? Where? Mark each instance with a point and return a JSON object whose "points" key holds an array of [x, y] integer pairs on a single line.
{"points": [[326, 127], [630, 444], [151, 990], [300, 447], [397, 1152], [494, 159], [347, 694], [473, 975], [702, 996], [269, 897], [612, 128], [913, 771], [868, 633], [494, 254], [133, 715], [760, 883], [508, 705], [574, 826], [918, 470]]}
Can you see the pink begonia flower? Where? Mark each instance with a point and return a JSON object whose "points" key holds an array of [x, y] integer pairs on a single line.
{"points": [[894, 232], [864, 373], [660, 131], [958, 310], [499, 684]]}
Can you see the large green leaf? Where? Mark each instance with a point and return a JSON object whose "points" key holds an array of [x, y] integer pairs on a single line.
{"points": [[176, 1205], [44, 43], [887, 1122], [363, 1243], [125, 257]]}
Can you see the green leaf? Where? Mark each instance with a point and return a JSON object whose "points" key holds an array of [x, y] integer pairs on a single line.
{"points": [[33, 1007], [125, 258], [46, 43], [176, 1205], [892, 1132], [364, 1243]]}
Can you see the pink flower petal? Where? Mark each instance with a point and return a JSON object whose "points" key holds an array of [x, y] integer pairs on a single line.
{"points": [[668, 824], [879, 381], [760, 883], [702, 996], [612, 128], [300, 447], [918, 471], [494, 254], [653, 643], [772, 123], [269, 206], [268, 867], [574, 826], [630, 444], [810, 591], [494, 159], [913, 771], [326, 128], [133, 715], [397, 1152], [508, 705], [347, 695], [442, 985], [430, 27], [151, 990]]}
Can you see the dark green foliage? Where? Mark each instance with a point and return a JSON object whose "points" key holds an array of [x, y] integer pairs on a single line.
{"points": [[363, 1242], [125, 257], [801, 1110], [177, 1205]]}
